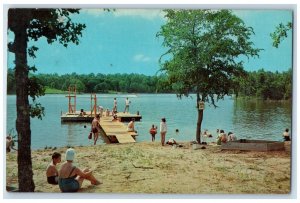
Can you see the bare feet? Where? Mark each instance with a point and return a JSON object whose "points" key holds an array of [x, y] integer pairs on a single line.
{"points": [[96, 183]]}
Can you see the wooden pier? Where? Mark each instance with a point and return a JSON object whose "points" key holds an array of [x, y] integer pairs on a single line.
{"points": [[116, 131], [79, 116]]}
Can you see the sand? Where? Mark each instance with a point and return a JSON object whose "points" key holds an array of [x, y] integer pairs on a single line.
{"points": [[149, 168]]}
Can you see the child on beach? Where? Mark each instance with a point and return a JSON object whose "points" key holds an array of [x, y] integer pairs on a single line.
{"points": [[51, 172], [153, 132], [9, 144], [222, 137]]}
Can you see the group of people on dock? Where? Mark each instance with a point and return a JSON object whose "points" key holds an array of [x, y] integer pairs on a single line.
{"points": [[68, 177], [127, 103], [95, 127]]}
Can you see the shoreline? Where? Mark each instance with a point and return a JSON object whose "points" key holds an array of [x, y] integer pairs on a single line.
{"points": [[149, 168]]}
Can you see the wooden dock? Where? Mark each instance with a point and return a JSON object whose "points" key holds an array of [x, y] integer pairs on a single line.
{"points": [[127, 117], [116, 131], [78, 116]]}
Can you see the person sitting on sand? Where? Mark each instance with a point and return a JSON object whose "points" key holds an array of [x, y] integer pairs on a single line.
{"points": [[130, 127], [231, 137], [71, 177], [171, 141], [153, 132], [51, 172], [222, 137], [286, 135], [9, 144]]}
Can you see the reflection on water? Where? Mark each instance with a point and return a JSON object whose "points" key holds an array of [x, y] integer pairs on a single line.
{"points": [[262, 119], [248, 119]]}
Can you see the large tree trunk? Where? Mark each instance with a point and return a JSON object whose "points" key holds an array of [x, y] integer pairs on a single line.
{"points": [[25, 174], [199, 121]]}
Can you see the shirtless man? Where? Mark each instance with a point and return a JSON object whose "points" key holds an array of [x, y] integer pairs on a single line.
{"points": [[96, 128]]}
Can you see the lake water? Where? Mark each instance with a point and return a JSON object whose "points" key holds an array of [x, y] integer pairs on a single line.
{"points": [[247, 119]]}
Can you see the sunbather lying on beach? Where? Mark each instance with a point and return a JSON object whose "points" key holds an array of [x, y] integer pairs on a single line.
{"points": [[171, 141]]}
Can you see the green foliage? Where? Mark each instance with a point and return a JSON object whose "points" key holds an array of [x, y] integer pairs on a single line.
{"points": [[35, 88], [262, 84], [11, 81], [49, 90], [204, 46], [266, 85], [280, 33], [36, 110], [100, 83]]}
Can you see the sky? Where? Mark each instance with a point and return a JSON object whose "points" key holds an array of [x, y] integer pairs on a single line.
{"points": [[124, 41]]}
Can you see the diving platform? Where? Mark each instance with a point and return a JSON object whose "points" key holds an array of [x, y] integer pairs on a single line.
{"points": [[87, 116], [127, 117]]}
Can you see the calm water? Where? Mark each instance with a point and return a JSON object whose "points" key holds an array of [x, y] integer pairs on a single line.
{"points": [[247, 119]]}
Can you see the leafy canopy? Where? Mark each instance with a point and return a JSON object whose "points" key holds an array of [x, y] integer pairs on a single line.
{"points": [[204, 50], [54, 25]]}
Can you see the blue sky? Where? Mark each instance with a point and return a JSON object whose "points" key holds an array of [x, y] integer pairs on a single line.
{"points": [[124, 41]]}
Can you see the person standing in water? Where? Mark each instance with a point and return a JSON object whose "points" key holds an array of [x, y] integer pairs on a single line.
{"points": [[153, 132], [96, 128]]}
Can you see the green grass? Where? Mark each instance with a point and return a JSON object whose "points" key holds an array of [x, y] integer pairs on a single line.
{"points": [[50, 90]]}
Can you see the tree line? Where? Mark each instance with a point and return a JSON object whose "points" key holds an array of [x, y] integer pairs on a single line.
{"points": [[266, 85], [260, 84]]}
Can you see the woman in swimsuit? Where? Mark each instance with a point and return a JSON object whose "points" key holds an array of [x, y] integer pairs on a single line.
{"points": [[51, 172], [71, 177]]}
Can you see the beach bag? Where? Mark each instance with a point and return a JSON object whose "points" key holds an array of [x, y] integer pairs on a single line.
{"points": [[90, 135]]}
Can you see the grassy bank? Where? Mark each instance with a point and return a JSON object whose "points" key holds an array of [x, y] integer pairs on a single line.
{"points": [[50, 90], [150, 168]]}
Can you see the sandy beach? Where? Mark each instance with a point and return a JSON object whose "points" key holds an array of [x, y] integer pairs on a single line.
{"points": [[149, 168]]}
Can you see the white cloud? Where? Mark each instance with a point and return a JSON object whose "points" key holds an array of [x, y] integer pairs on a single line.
{"points": [[141, 58], [148, 14]]}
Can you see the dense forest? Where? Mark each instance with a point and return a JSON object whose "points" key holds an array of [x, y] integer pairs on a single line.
{"points": [[261, 84]]}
